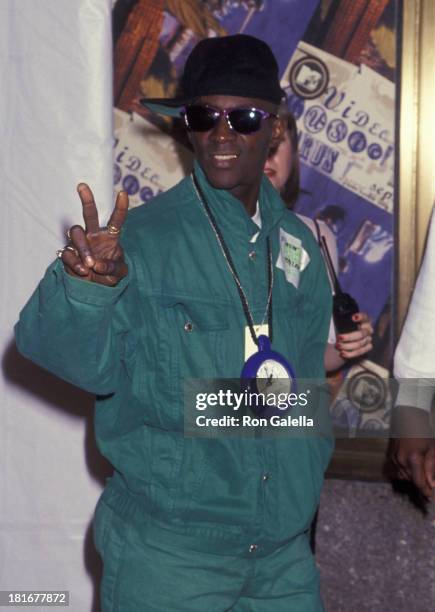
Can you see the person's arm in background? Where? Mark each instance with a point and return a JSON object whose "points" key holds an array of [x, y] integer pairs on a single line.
{"points": [[353, 344], [71, 324], [412, 444]]}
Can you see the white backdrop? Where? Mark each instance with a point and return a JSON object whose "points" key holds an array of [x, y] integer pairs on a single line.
{"points": [[55, 130]]}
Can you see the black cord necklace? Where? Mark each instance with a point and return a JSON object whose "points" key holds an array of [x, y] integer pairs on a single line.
{"points": [[230, 263]]}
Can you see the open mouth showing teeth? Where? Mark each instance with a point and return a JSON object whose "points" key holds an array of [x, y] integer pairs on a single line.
{"points": [[222, 157]]}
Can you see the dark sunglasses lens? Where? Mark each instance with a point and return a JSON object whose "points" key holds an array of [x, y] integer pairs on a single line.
{"points": [[201, 118], [245, 120]]}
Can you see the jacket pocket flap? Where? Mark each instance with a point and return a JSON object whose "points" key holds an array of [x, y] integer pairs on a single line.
{"points": [[204, 314]]}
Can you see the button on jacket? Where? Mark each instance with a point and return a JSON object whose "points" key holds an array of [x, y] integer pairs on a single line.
{"points": [[178, 315]]}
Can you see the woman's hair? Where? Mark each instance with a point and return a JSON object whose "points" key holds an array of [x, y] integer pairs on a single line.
{"points": [[290, 191]]}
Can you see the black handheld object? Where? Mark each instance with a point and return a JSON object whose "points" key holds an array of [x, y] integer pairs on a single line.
{"points": [[343, 307], [343, 304]]}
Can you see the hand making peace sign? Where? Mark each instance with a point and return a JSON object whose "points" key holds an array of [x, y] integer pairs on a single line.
{"points": [[94, 253]]}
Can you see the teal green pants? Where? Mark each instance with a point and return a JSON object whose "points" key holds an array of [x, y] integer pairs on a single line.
{"points": [[142, 574]]}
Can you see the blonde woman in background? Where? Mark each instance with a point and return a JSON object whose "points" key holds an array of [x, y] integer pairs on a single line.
{"points": [[282, 168]]}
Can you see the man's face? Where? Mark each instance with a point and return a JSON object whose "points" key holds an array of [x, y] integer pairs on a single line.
{"points": [[234, 161]]}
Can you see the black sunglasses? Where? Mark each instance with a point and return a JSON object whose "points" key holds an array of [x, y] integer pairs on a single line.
{"points": [[201, 118]]}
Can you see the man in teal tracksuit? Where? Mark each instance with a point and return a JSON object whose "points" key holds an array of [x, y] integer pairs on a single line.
{"points": [[195, 523]]}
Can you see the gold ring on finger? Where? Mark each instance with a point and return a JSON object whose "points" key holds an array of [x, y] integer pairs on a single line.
{"points": [[113, 230], [71, 248], [68, 247]]}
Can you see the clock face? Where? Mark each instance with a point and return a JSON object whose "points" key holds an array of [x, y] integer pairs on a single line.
{"points": [[272, 377]]}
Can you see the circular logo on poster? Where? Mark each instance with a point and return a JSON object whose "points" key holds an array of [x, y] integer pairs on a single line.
{"points": [[367, 391], [309, 77], [373, 425]]}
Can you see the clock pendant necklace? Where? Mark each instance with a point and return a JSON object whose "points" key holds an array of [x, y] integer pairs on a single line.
{"points": [[266, 371]]}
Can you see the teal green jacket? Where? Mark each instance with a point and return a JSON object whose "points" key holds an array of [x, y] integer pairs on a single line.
{"points": [[129, 346]]}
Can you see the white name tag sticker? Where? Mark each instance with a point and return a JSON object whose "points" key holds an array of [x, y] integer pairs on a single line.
{"points": [[293, 258], [250, 346]]}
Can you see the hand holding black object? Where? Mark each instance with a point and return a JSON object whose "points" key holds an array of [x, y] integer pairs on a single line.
{"points": [[344, 306]]}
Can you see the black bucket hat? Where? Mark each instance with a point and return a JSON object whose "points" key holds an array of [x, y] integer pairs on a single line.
{"points": [[239, 65]]}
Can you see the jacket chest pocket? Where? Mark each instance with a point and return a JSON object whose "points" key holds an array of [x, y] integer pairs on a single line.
{"points": [[192, 336]]}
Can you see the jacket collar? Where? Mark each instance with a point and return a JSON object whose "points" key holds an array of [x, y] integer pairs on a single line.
{"points": [[230, 213]]}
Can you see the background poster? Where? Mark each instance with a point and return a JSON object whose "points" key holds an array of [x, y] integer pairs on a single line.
{"points": [[347, 171]]}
